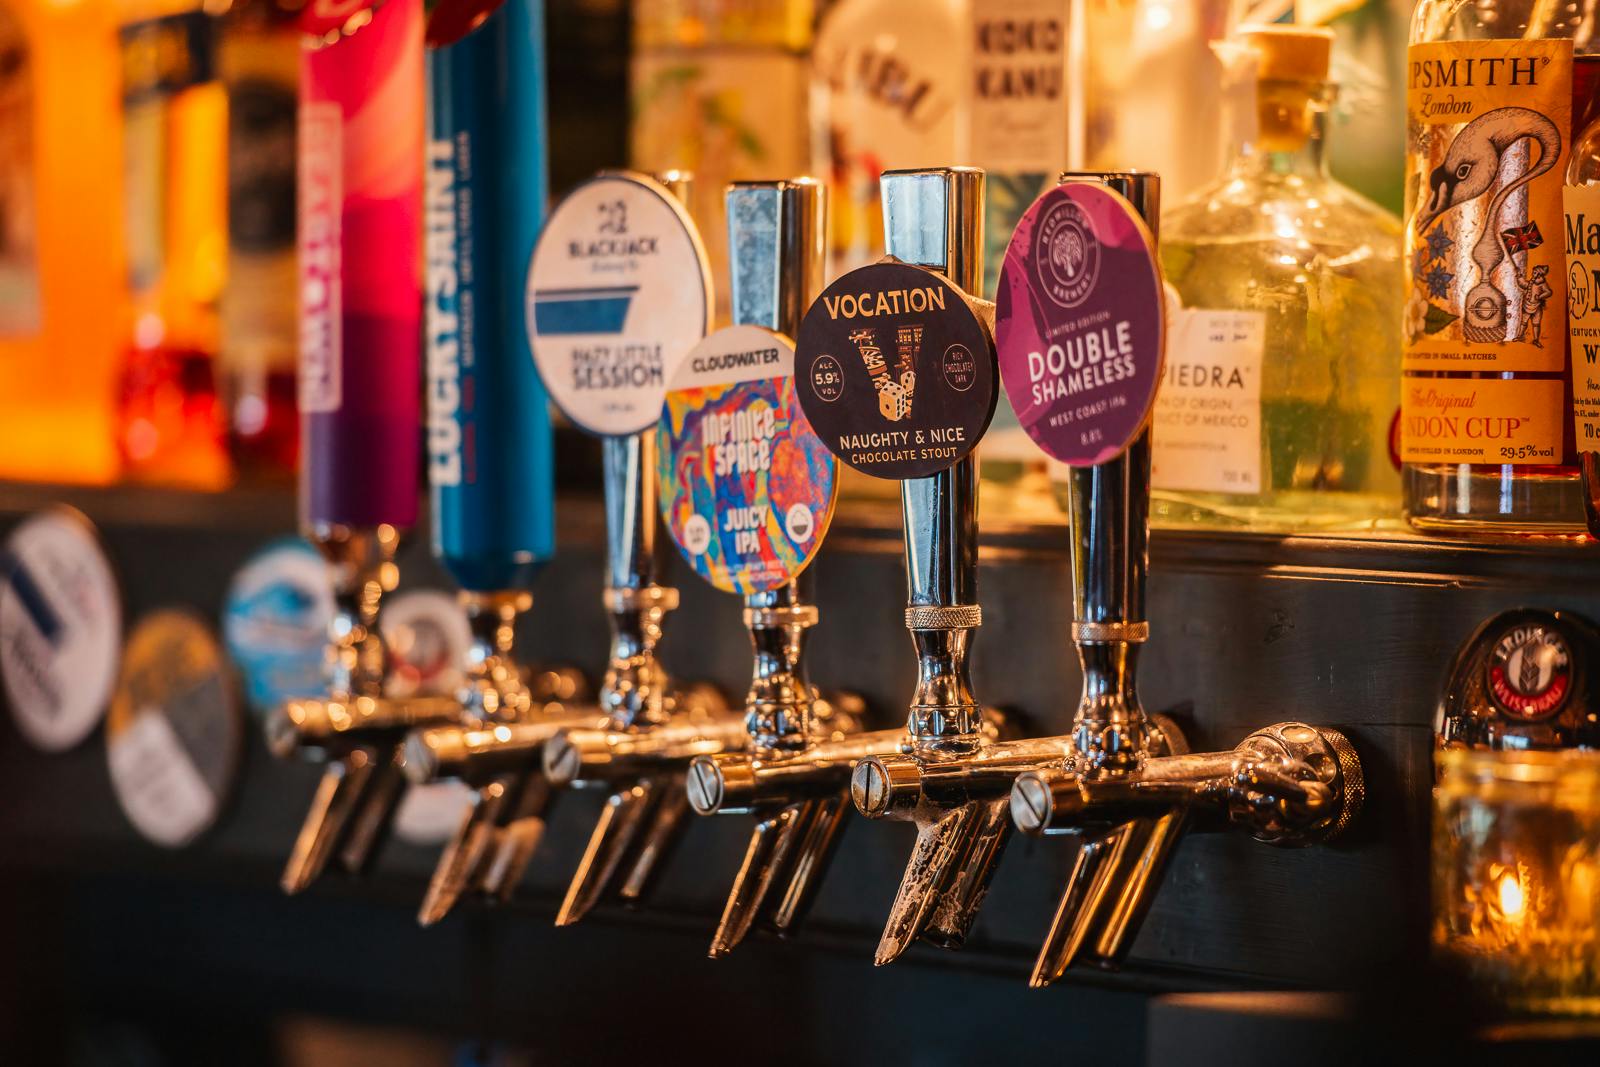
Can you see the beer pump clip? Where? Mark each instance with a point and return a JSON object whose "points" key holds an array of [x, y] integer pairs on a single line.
{"points": [[619, 292], [1082, 261], [747, 492], [896, 371]]}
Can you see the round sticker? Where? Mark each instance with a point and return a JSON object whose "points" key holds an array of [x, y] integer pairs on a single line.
{"points": [[429, 638], [430, 814], [173, 735], [60, 623], [618, 292], [1529, 671], [895, 371], [1079, 323], [747, 487], [275, 622]]}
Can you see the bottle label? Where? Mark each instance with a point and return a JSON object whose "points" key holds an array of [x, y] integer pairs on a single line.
{"points": [[1207, 424], [619, 291], [1489, 123], [747, 487], [19, 251], [1481, 420], [1079, 322], [897, 372], [321, 296], [1582, 232]]}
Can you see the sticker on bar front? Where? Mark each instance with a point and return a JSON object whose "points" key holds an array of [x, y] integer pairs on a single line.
{"points": [[747, 487], [1079, 323], [174, 733], [618, 292], [60, 628], [896, 371]]}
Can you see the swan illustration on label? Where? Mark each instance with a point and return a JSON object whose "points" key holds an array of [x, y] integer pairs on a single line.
{"points": [[747, 488], [1489, 125]]}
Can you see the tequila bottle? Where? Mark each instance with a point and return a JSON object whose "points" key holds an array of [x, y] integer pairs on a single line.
{"points": [[1496, 89], [1281, 384]]}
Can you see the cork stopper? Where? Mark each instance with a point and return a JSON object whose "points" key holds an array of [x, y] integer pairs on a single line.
{"points": [[1288, 53]]}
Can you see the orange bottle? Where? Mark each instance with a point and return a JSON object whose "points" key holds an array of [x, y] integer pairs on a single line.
{"points": [[174, 197], [61, 283]]}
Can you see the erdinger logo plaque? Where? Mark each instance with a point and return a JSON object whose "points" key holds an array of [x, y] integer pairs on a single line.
{"points": [[1066, 254], [895, 371], [1530, 672]]}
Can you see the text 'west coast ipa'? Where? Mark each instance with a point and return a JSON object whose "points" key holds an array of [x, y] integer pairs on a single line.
{"points": [[1494, 94]]}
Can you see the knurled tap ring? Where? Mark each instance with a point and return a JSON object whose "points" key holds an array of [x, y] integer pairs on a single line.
{"points": [[943, 616], [796, 615], [663, 597], [1097, 633]]}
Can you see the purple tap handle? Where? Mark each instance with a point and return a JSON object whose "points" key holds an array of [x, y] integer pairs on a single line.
{"points": [[361, 130]]}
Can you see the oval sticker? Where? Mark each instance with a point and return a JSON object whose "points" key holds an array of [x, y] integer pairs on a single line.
{"points": [[60, 627], [747, 487], [275, 621], [896, 371], [173, 735], [1079, 323], [618, 292]]}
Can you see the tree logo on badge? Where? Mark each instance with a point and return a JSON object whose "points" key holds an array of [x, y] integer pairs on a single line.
{"points": [[1066, 255]]}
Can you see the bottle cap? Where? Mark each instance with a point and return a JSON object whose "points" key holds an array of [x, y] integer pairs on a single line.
{"points": [[1288, 53]]}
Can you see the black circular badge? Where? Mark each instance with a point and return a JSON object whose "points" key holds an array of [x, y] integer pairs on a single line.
{"points": [[895, 371]]}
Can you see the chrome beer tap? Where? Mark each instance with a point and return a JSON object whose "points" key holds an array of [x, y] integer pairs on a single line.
{"points": [[939, 394], [777, 232], [1124, 787], [359, 364], [621, 291]]}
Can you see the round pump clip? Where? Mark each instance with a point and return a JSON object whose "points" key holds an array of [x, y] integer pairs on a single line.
{"points": [[747, 486], [1079, 323], [895, 368], [619, 291]]}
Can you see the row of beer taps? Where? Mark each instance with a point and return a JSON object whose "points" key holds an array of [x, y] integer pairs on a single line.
{"points": [[1121, 787]]}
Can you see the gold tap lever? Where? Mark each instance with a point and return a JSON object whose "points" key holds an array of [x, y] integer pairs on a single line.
{"points": [[355, 728]]}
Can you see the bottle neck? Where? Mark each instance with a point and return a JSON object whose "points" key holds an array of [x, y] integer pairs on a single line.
{"points": [[1288, 134]]}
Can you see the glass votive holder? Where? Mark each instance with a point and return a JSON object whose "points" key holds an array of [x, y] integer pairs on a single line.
{"points": [[1516, 876]]}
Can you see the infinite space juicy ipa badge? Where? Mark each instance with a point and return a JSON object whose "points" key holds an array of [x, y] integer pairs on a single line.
{"points": [[747, 487], [60, 626], [618, 292], [896, 371], [1079, 323]]}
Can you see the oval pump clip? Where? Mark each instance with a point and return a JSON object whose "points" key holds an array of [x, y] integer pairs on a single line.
{"points": [[490, 445], [360, 362], [748, 492], [1079, 324], [618, 293]]}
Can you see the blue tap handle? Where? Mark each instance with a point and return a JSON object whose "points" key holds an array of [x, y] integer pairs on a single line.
{"points": [[490, 449]]}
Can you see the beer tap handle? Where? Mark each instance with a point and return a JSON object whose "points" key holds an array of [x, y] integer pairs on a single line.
{"points": [[934, 218], [610, 844], [945, 840], [339, 794], [661, 836], [464, 854]]}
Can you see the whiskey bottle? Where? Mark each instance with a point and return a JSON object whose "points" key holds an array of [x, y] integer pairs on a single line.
{"points": [[1495, 91]]}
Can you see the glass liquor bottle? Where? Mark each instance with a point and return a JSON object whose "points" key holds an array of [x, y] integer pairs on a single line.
{"points": [[1282, 371], [719, 88], [174, 198], [1496, 89], [259, 62], [1581, 230], [61, 292]]}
